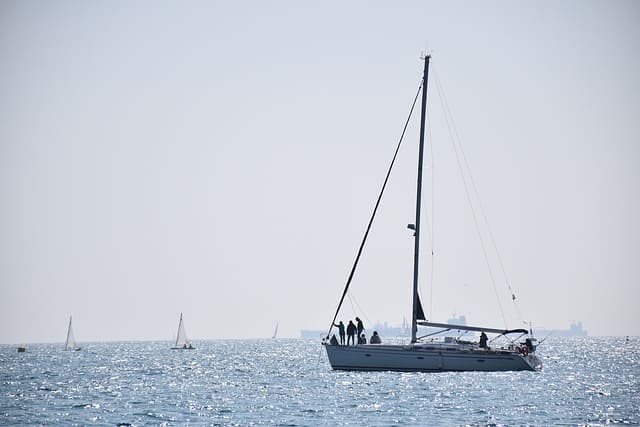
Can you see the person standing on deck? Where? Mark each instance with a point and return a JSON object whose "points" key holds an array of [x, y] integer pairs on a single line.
{"points": [[483, 340], [340, 327], [360, 326], [351, 333]]}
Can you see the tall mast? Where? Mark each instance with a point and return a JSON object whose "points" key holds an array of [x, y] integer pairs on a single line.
{"points": [[416, 254]]}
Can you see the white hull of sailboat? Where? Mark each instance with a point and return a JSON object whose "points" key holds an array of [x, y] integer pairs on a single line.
{"points": [[377, 357]]}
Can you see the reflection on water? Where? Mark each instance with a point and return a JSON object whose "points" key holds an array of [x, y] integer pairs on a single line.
{"points": [[583, 381]]}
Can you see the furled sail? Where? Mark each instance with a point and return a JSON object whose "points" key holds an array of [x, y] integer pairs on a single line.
{"points": [[419, 310]]}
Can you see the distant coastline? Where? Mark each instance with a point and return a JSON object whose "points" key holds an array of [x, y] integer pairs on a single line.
{"points": [[575, 330], [384, 329]]}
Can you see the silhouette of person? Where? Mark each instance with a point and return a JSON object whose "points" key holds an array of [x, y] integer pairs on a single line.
{"points": [[375, 338], [360, 326], [529, 343], [340, 327], [334, 340], [362, 339], [483, 340], [351, 333]]}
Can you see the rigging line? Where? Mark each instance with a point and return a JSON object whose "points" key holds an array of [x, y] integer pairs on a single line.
{"points": [[482, 210], [484, 215], [353, 308], [432, 242], [354, 303], [456, 148], [375, 209]]}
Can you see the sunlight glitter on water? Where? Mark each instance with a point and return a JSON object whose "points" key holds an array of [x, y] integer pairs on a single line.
{"points": [[584, 381]]}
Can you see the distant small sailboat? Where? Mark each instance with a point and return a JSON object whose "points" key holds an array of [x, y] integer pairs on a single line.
{"points": [[182, 342], [275, 332], [71, 340]]}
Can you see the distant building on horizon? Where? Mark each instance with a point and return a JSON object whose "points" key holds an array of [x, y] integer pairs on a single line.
{"points": [[575, 330], [458, 320], [386, 330]]}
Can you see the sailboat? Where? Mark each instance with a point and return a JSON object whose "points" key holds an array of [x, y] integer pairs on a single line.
{"points": [[275, 332], [448, 353], [71, 344], [182, 342]]}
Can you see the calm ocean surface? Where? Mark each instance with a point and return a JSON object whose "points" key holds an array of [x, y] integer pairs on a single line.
{"points": [[585, 381]]}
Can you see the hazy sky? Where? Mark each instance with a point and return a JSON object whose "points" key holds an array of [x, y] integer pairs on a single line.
{"points": [[222, 159]]}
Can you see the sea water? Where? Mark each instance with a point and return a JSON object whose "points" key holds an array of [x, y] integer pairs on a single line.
{"points": [[584, 381]]}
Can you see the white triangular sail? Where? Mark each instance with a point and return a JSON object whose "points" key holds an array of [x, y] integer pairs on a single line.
{"points": [[71, 339], [181, 340]]}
